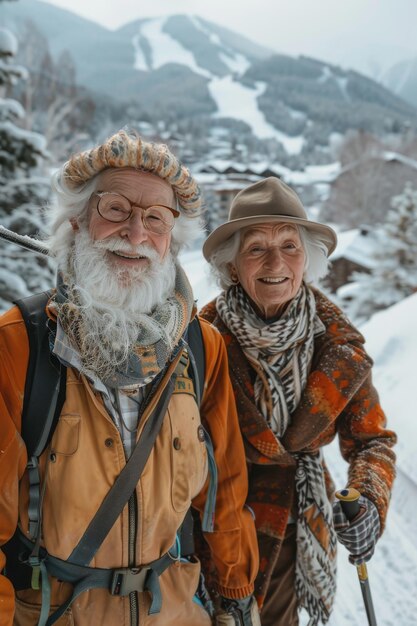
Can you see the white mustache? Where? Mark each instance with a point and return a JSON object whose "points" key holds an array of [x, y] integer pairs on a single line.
{"points": [[119, 245]]}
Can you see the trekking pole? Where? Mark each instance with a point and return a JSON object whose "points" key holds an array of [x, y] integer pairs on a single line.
{"points": [[349, 500], [24, 240]]}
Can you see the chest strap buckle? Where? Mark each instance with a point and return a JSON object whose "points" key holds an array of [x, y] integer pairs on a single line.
{"points": [[126, 581]]}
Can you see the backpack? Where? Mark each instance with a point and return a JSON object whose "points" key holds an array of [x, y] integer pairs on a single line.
{"points": [[44, 396], [46, 377]]}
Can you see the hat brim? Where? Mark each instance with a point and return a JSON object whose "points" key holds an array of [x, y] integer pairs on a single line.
{"points": [[223, 232]]}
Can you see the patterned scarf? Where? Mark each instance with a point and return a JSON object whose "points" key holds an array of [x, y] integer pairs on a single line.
{"points": [[281, 354], [157, 334]]}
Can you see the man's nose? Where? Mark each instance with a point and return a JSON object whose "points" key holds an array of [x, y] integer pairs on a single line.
{"points": [[134, 229]]}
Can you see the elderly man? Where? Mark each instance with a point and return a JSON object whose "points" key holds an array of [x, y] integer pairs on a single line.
{"points": [[98, 518]]}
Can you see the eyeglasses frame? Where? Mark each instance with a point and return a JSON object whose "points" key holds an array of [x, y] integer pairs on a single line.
{"points": [[100, 194]]}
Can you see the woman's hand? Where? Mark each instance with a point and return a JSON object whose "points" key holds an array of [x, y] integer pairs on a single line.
{"points": [[360, 534]]}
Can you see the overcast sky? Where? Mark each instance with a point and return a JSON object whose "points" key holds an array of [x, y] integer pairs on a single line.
{"points": [[369, 35]]}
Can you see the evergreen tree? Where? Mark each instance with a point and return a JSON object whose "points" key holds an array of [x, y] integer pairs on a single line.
{"points": [[55, 105], [23, 186], [395, 274]]}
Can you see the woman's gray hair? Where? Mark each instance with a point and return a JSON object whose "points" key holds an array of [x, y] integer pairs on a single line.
{"points": [[70, 204], [316, 262]]}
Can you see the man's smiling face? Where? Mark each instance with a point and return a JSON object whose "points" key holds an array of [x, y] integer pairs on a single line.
{"points": [[143, 190]]}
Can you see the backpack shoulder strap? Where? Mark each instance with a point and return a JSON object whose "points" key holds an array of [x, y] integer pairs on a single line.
{"points": [[43, 399], [45, 377], [197, 356]]}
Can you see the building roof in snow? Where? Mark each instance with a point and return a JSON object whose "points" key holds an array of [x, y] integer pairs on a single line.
{"points": [[356, 245]]}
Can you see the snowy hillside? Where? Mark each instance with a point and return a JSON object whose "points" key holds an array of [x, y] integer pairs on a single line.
{"points": [[241, 86], [222, 66], [401, 78], [183, 74], [392, 342]]}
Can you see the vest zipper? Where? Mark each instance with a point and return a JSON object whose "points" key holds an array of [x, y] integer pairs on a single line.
{"points": [[132, 530], [132, 503], [133, 597]]}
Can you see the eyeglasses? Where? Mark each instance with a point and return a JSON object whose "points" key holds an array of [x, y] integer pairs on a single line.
{"points": [[114, 207]]}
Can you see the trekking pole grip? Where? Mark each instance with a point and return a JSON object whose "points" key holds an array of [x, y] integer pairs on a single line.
{"points": [[349, 500]]}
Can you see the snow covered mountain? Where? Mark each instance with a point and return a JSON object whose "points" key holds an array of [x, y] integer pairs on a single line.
{"points": [[391, 340], [185, 70], [402, 80]]}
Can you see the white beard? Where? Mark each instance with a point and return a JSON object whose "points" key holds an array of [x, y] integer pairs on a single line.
{"points": [[113, 304], [126, 290]]}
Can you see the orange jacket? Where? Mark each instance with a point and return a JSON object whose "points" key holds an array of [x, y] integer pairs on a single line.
{"points": [[87, 457]]}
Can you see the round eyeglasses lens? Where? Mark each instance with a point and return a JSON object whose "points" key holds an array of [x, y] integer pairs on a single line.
{"points": [[158, 219], [113, 207]]}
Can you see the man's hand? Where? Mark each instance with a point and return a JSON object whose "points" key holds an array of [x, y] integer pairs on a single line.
{"points": [[359, 535], [242, 612]]}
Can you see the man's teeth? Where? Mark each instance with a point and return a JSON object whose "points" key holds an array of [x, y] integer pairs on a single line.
{"points": [[274, 280], [129, 256]]}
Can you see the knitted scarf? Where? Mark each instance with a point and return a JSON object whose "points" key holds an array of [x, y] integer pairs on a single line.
{"points": [[158, 333], [281, 353]]}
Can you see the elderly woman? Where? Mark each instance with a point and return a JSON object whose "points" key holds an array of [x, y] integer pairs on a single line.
{"points": [[300, 376]]}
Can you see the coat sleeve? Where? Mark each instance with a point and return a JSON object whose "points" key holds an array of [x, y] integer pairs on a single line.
{"points": [[366, 444], [233, 543], [13, 363]]}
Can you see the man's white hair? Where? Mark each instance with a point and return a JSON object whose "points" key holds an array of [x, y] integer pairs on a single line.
{"points": [[316, 262], [70, 204]]}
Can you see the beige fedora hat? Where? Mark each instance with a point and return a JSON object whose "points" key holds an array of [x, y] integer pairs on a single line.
{"points": [[267, 201]]}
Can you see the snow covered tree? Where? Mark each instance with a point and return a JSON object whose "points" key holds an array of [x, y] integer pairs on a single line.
{"points": [[395, 274], [55, 105], [23, 186]]}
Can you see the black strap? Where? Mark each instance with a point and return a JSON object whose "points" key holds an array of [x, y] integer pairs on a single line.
{"points": [[44, 396], [45, 388], [118, 581], [197, 356], [186, 535], [124, 485], [45, 378], [196, 353]]}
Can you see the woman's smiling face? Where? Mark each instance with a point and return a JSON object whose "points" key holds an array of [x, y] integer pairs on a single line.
{"points": [[270, 266]]}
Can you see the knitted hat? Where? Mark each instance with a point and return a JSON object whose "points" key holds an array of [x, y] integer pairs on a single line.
{"points": [[128, 149]]}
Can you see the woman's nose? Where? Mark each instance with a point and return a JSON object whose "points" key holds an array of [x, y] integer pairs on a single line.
{"points": [[273, 258]]}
